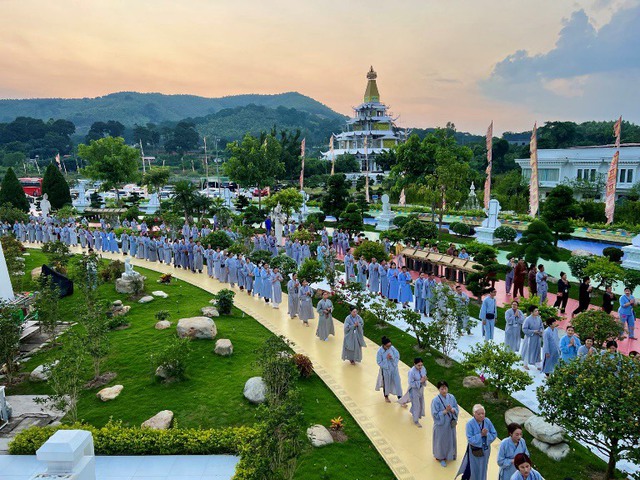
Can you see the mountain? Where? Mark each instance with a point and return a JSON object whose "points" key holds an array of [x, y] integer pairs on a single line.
{"points": [[131, 108]]}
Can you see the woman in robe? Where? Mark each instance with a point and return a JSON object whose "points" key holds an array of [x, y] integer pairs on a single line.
{"points": [[349, 273], [533, 330], [83, 238], [39, 233], [626, 313], [217, 263], [249, 277], [73, 236], [124, 239], [224, 267], [394, 284], [97, 239], [305, 313], [140, 249], [509, 448], [384, 279], [353, 337], [257, 280], [404, 292], [325, 318], [480, 435], [113, 242], [550, 347], [242, 273], [514, 318], [198, 257], [525, 470], [445, 411], [374, 276], [293, 285], [167, 251], [153, 251], [362, 272], [276, 282], [232, 267], [388, 380], [417, 379], [265, 278]]}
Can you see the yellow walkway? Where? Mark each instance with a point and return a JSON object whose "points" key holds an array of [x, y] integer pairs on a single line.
{"points": [[405, 448]]}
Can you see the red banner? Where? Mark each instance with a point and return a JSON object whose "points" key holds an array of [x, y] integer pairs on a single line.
{"points": [[487, 182], [612, 176], [534, 198]]}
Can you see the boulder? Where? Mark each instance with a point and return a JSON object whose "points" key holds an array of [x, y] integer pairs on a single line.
{"points": [[544, 431], [319, 435], [160, 293], [223, 347], [146, 299], [578, 252], [163, 325], [122, 310], [109, 393], [160, 421], [210, 312], [126, 285], [555, 452], [42, 372], [196, 327], [517, 415], [213, 301], [472, 382], [162, 373], [117, 303], [36, 272], [255, 390]]}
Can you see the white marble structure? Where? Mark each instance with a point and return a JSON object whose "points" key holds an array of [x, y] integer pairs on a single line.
{"points": [[632, 254], [304, 210], [68, 454], [81, 202], [5, 409], [45, 205], [6, 291], [384, 221], [127, 281], [154, 204], [485, 232], [279, 220]]}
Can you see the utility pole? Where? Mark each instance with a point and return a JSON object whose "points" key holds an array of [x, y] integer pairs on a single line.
{"points": [[206, 165]]}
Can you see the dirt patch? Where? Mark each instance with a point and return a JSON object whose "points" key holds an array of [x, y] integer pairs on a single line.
{"points": [[338, 436], [123, 327], [489, 397], [444, 362], [101, 381]]}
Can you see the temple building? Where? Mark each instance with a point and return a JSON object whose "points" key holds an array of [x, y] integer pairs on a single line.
{"points": [[371, 123]]}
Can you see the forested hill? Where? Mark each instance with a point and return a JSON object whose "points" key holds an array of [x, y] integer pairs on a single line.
{"points": [[131, 108]]}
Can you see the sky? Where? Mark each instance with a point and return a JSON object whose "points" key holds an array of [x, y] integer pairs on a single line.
{"points": [[465, 61]]}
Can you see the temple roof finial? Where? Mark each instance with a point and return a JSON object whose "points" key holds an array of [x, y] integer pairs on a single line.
{"points": [[371, 94]]}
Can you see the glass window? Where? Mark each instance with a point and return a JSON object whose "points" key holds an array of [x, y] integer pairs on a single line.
{"points": [[526, 173], [579, 174], [622, 175], [629, 176], [592, 177], [548, 174]]}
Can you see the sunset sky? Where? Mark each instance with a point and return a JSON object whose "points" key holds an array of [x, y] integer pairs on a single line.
{"points": [[465, 61]]}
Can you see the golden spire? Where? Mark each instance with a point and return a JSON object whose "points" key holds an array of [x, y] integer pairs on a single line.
{"points": [[371, 94]]}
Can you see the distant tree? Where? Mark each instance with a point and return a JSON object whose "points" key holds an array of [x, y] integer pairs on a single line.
{"points": [[100, 130], [10, 329], [558, 209], [184, 194], [347, 163], [11, 214], [11, 192], [92, 317], [336, 196], [290, 156], [110, 161], [290, 199], [351, 219], [588, 188], [56, 187], [184, 138], [536, 242], [558, 135], [156, 178], [415, 230]]}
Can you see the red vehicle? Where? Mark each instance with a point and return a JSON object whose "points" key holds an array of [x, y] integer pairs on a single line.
{"points": [[31, 186], [258, 193]]}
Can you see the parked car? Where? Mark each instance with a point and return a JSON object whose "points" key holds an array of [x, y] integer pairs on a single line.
{"points": [[257, 192]]}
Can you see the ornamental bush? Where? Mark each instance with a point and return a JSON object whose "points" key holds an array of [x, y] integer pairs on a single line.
{"points": [[311, 270], [217, 239], [506, 234], [285, 264], [369, 250], [172, 359], [460, 228], [613, 253], [303, 364], [415, 230], [224, 301], [577, 264], [597, 324]]}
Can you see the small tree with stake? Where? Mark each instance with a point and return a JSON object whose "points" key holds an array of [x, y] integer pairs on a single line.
{"points": [[596, 400], [9, 339]]}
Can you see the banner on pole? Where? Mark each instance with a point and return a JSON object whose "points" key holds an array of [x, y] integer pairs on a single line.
{"points": [[302, 149], [612, 176], [534, 196], [487, 182]]}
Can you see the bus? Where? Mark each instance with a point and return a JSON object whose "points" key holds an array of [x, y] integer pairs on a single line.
{"points": [[31, 186]]}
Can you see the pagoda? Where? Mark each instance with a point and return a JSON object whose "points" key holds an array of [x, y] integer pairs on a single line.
{"points": [[371, 123]]}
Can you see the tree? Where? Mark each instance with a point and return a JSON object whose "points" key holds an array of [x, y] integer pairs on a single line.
{"points": [[558, 209], [577, 264], [496, 362], [10, 328], [596, 401], [290, 199], [156, 178], [183, 138], [95, 323], [311, 270], [415, 230], [336, 198], [351, 219], [47, 305], [11, 214], [111, 161], [480, 280], [446, 331], [506, 234], [11, 191], [56, 187], [604, 271], [597, 324], [184, 194], [369, 250], [537, 242]]}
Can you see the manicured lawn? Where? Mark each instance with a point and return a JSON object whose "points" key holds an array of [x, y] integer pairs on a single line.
{"points": [[212, 394]]}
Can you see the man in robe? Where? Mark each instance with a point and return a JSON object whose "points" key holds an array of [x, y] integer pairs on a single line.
{"points": [[514, 318], [349, 264], [417, 379], [388, 358], [445, 412], [488, 314], [551, 347], [294, 300], [508, 279], [462, 300], [533, 330], [353, 337], [541, 284], [325, 318], [480, 435], [419, 293]]}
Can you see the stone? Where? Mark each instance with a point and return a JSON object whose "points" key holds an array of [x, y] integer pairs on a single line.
{"points": [[160, 421], [255, 390], [162, 373], [109, 393], [472, 382], [223, 347], [517, 415], [555, 452], [196, 327], [36, 272], [41, 372], [579, 252], [213, 301], [210, 312], [160, 293], [117, 303], [544, 431], [319, 435], [163, 325], [146, 299], [126, 284]]}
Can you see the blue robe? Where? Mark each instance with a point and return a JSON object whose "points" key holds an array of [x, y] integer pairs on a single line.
{"points": [[478, 466], [508, 450], [374, 277], [404, 295], [394, 283], [444, 436], [551, 347], [489, 309], [384, 281]]}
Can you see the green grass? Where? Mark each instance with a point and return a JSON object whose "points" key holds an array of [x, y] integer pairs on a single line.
{"points": [[212, 394]]}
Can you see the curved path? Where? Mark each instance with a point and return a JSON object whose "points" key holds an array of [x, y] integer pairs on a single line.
{"points": [[405, 448]]}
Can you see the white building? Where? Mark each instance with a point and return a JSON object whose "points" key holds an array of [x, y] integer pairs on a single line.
{"points": [[563, 165]]}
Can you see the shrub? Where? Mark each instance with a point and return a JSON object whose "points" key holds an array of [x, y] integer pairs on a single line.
{"points": [[546, 311], [316, 218], [172, 359], [593, 212], [369, 250], [238, 248], [311, 270], [166, 278], [111, 271], [415, 230], [304, 365], [613, 253], [224, 301], [10, 214], [58, 253], [217, 239], [117, 321], [162, 315], [337, 424], [285, 264], [351, 219], [597, 324], [302, 234], [258, 256], [577, 264], [506, 234], [603, 271], [133, 212], [460, 228], [401, 221]]}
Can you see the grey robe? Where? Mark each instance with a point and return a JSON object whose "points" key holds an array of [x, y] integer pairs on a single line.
{"points": [[198, 257], [353, 338], [374, 277], [294, 299], [276, 282], [415, 394], [513, 326], [232, 266], [530, 351], [306, 305], [444, 435], [477, 466], [388, 376], [325, 320]]}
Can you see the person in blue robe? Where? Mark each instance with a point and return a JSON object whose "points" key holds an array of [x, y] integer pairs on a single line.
{"points": [[430, 285], [208, 256], [569, 345], [198, 257], [349, 265], [249, 276], [276, 287], [509, 448], [550, 347], [514, 318], [404, 284], [152, 250], [488, 314], [265, 280], [124, 239], [417, 379], [532, 329], [626, 312], [383, 269], [445, 413], [480, 435], [175, 247], [232, 266], [374, 276], [394, 283], [525, 470], [388, 379], [541, 284], [419, 293]]}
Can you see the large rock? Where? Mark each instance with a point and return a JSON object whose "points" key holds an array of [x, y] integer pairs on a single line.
{"points": [[109, 393], [42, 372], [223, 347], [163, 325], [36, 272], [544, 431], [472, 382], [579, 252], [556, 452], [127, 285], [319, 435], [160, 421], [117, 303], [196, 327], [146, 299], [210, 312], [160, 293], [121, 310], [255, 390], [162, 373], [517, 415]]}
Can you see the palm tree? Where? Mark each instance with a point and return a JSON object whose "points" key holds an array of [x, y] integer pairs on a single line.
{"points": [[184, 197]]}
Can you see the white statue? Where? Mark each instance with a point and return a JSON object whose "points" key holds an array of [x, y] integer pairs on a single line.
{"points": [[386, 207], [279, 219], [45, 205], [6, 291], [129, 272], [492, 214]]}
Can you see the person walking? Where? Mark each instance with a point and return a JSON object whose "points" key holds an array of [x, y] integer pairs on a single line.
{"points": [[445, 411], [388, 380]]}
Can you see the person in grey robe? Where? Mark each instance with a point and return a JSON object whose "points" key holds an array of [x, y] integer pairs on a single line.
{"points": [[293, 285], [480, 435], [325, 318], [267, 287], [224, 268], [514, 318], [509, 448], [533, 331], [362, 268], [353, 337], [217, 263], [166, 252], [242, 273], [374, 276], [550, 347], [384, 281], [445, 412], [276, 286], [417, 379], [208, 256], [232, 267], [198, 257], [349, 264], [152, 251], [305, 312], [541, 284], [140, 251], [388, 380], [249, 278]]}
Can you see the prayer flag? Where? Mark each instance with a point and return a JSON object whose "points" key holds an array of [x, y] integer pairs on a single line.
{"points": [[534, 198], [612, 176], [487, 182], [403, 198], [366, 178], [333, 156], [302, 149]]}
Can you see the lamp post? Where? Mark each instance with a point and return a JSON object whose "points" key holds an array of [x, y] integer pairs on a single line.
{"points": [[216, 140]]}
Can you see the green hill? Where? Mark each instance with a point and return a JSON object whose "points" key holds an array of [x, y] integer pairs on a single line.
{"points": [[131, 108]]}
